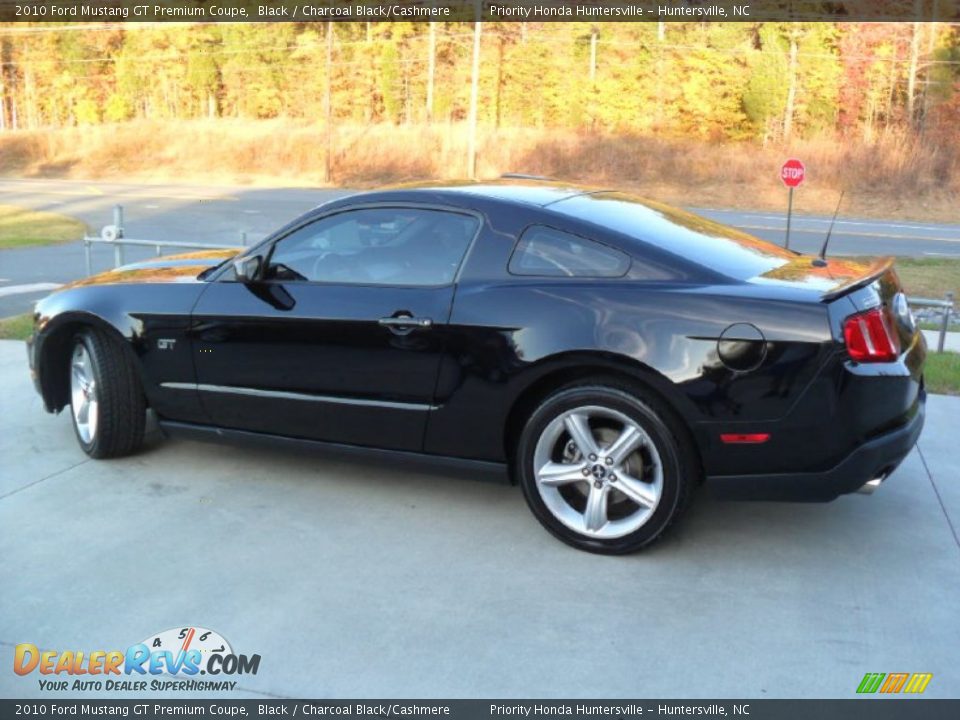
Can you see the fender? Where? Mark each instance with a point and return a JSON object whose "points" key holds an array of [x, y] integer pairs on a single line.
{"points": [[153, 325], [50, 347]]}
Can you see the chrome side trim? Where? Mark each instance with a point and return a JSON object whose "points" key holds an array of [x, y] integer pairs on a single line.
{"points": [[286, 395]]}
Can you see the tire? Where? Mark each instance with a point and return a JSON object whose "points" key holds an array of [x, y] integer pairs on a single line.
{"points": [[106, 398], [613, 503]]}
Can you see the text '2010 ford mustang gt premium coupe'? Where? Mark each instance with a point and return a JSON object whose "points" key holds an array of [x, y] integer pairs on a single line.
{"points": [[613, 353]]}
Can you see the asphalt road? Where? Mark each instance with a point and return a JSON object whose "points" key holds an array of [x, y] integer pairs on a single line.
{"points": [[367, 580], [223, 215]]}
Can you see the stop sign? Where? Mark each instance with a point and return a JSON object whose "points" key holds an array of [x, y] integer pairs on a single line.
{"points": [[792, 172]]}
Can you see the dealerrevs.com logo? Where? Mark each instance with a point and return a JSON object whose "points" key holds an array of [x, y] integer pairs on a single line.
{"points": [[170, 660]]}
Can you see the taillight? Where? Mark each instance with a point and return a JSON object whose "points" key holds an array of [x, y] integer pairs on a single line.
{"points": [[870, 337]]}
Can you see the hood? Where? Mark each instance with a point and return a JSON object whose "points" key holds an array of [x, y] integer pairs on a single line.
{"points": [[185, 267]]}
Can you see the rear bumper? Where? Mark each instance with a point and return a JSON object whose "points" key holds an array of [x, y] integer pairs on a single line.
{"points": [[878, 457]]}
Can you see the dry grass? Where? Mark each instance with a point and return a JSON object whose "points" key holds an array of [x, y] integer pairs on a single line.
{"points": [[20, 227], [926, 277], [16, 327], [894, 177], [929, 277], [942, 373]]}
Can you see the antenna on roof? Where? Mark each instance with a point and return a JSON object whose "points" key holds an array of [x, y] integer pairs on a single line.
{"points": [[821, 259]]}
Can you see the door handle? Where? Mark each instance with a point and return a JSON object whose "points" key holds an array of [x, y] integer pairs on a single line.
{"points": [[406, 321]]}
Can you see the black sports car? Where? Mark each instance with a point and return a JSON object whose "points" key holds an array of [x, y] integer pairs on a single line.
{"points": [[612, 352]]}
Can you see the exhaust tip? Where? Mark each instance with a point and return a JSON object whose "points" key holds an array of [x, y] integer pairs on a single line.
{"points": [[870, 486]]}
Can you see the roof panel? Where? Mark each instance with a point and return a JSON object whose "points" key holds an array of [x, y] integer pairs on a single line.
{"points": [[521, 190]]}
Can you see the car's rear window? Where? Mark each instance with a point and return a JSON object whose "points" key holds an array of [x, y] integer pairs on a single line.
{"points": [[546, 252], [696, 239]]}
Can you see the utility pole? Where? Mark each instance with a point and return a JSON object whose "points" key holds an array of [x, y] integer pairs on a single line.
{"points": [[912, 74], [914, 62], [474, 88], [931, 48], [661, 35], [792, 90], [328, 104], [932, 35], [593, 54], [4, 64], [431, 63]]}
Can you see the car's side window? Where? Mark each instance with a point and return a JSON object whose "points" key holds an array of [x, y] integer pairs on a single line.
{"points": [[375, 246], [545, 252]]}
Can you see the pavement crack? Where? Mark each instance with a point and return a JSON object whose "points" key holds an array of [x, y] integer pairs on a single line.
{"points": [[47, 477], [936, 491]]}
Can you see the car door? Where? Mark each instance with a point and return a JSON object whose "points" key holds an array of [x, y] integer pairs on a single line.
{"points": [[339, 335]]}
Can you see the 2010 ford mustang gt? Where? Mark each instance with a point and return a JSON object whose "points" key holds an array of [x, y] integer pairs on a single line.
{"points": [[612, 352]]}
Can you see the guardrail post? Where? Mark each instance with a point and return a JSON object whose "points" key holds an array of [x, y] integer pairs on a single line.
{"points": [[946, 322], [86, 255], [243, 239], [118, 224]]}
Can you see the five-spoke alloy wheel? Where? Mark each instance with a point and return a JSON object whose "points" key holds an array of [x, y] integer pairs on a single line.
{"points": [[83, 394], [106, 395], [602, 468]]}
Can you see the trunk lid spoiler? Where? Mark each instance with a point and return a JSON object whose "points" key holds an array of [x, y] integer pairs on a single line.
{"points": [[829, 279], [876, 270]]}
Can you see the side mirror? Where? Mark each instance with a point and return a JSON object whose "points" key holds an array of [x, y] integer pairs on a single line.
{"points": [[247, 269]]}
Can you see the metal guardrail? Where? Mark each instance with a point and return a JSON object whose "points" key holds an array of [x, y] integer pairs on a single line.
{"points": [[946, 305], [113, 235]]}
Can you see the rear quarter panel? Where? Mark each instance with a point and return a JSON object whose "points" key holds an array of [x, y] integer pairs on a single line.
{"points": [[507, 335]]}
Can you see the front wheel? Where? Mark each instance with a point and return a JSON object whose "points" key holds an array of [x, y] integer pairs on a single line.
{"points": [[604, 468], [106, 398]]}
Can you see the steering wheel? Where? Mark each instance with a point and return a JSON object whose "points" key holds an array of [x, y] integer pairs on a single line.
{"points": [[328, 266]]}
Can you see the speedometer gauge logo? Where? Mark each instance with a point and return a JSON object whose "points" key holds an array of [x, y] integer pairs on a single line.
{"points": [[184, 639]]}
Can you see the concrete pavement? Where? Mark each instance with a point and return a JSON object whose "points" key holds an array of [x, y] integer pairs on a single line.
{"points": [[220, 215], [363, 579]]}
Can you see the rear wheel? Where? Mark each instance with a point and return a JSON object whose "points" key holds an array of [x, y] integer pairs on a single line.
{"points": [[602, 468], [106, 399]]}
